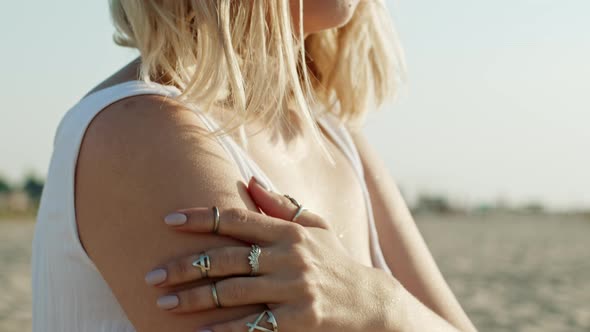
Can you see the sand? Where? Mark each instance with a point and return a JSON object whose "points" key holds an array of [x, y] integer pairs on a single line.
{"points": [[510, 273], [15, 276], [516, 273]]}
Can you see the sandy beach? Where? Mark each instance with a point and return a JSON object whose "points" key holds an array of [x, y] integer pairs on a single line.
{"points": [[15, 276], [511, 273]]}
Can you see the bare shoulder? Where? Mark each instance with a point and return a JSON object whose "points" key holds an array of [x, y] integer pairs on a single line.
{"points": [[142, 158], [159, 143]]}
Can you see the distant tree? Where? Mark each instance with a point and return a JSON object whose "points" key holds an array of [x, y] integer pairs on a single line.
{"points": [[534, 207], [5, 187], [33, 186], [433, 203]]}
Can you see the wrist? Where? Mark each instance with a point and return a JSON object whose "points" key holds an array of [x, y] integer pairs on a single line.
{"points": [[391, 296]]}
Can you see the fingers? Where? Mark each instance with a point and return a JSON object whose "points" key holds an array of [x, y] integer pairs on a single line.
{"points": [[242, 224], [231, 292], [257, 322], [222, 262], [279, 206]]}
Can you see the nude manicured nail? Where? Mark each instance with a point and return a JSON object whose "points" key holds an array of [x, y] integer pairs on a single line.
{"points": [[168, 302], [175, 219], [156, 276]]}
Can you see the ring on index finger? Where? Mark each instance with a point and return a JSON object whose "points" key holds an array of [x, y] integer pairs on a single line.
{"points": [[300, 207]]}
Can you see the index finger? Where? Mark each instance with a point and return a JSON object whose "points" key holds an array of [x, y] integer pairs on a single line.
{"points": [[242, 224]]}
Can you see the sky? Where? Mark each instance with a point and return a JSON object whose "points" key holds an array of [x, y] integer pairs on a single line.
{"points": [[496, 107]]}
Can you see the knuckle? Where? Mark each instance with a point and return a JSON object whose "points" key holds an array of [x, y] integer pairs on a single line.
{"points": [[313, 314], [283, 202], [298, 258], [297, 233]]}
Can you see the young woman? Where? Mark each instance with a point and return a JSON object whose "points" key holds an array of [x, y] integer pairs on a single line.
{"points": [[165, 207]]}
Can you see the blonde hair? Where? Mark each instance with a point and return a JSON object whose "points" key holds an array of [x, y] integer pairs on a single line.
{"points": [[246, 56]]}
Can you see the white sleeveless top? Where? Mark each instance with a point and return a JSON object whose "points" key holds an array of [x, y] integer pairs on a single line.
{"points": [[69, 293]]}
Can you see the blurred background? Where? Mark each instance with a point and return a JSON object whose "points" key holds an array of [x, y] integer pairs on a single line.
{"points": [[489, 143]]}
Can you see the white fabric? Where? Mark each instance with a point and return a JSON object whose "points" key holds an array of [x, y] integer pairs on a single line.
{"points": [[69, 294]]}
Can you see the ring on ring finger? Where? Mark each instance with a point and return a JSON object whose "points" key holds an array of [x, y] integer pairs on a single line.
{"points": [[253, 259]]}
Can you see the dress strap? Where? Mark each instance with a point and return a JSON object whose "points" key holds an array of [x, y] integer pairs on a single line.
{"points": [[246, 165], [342, 138]]}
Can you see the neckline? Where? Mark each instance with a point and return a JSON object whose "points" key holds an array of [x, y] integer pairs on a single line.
{"points": [[225, 139], [331, 127]]}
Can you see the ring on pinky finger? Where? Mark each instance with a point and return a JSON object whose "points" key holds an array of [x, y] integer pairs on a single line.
{"points": [[266, 321]]}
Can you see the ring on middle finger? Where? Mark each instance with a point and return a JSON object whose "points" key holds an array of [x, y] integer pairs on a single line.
{"points": [[253, 259], [203, 263]]}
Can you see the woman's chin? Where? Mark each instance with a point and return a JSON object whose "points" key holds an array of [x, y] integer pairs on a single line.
{"points": [[327, 14]]}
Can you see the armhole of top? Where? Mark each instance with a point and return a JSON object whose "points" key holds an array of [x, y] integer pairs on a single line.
{"points": [[72, 130], [344, 140]]}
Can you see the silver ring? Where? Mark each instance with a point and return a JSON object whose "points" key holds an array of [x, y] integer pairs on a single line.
{"points": [[215, 297], [270, 319], [253, 259], [215, 220], [203, 263], [300, 207]]}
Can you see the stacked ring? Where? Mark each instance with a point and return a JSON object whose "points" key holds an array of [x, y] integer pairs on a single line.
{"points": [[300, 207], [253, 259]]}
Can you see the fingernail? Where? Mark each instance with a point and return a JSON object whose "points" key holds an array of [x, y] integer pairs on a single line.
{"points": [[156, 276], [261, 183], [175, 219], [168, 302]]}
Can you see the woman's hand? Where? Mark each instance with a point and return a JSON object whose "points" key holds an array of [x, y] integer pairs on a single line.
{"points": [[305, 275]]}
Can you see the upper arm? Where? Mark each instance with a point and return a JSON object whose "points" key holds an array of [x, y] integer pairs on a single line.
{"points": [[403, 246], [142, 158]]}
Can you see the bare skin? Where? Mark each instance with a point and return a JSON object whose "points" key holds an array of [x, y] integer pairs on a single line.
{"points": [[325, 14], [145, 157], [305, 274]]}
